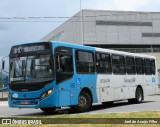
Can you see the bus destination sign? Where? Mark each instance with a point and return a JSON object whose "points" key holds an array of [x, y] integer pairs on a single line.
{"points": [[22, 49]]}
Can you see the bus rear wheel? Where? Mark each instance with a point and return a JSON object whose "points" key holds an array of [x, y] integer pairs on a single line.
{"points": [[84, 102], [139, 96], [48, 110]]}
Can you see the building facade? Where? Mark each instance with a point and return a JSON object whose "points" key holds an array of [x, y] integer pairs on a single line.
{"points": [[125, 31]]}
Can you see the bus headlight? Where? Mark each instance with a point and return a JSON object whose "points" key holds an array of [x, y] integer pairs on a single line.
{"points": [[47, 93]]}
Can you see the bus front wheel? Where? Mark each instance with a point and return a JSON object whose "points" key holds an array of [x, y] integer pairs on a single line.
{"points": [[84, 102], [48, 110]]}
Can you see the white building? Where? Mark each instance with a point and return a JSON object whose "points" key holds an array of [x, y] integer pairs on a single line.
{"points": [[126, 31]]}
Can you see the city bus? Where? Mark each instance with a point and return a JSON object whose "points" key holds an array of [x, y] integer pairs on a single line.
{"points": [[51, 75]]}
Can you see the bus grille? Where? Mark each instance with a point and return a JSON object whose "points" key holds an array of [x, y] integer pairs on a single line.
{"points": [[24, 87]]}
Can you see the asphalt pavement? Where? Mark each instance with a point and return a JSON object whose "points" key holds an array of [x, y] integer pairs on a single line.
{"points": [[151, 103]]}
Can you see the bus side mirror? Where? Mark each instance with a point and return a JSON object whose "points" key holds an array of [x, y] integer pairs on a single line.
{"points": [[3, 64]]}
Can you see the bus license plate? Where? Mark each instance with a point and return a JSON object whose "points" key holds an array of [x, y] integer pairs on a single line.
{"points": [[24, 103]]}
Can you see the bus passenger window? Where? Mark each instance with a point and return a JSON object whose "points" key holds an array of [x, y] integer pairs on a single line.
{"points": [[118, 64], [85, 62], [139, 65], [130, 65], [153, 68], [103, 63], [147, 66]]}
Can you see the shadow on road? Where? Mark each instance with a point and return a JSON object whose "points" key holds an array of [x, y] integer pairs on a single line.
{"points": [[67, 110], [116, 104]]}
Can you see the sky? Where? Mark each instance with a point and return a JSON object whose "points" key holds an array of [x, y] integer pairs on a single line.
{"points": [[29, 30]]}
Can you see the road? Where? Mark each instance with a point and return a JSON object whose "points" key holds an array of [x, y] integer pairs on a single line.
{"points": [[151, 103]]}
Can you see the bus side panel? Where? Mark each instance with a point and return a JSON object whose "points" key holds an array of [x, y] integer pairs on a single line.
{"points": [[151, 86], [69, 90], [65, 92], [64, 97], [105, 90], [111, 87], [87, 81], [82, 81]]}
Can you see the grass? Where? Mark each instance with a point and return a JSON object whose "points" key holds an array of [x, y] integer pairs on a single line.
{"points": [[147, 114], [154, 95]]}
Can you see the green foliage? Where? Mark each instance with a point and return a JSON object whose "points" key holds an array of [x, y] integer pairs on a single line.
{"points": [[1, 82]]}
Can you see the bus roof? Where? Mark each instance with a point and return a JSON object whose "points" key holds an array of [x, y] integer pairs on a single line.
{"points": [[94, 49], [124, 53], [103, 50]]}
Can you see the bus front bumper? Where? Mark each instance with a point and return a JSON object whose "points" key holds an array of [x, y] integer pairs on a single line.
{"points": [[32, 103]]}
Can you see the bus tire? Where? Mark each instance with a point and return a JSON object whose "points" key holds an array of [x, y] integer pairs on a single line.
{"points": [[48, 110], [84, 103], [138, 96]]}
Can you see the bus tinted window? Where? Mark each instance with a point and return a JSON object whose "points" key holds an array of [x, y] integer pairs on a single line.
{"points": [[147, 66], [118, 64], [64, 67], [153, 68], [130, 65], [64, 63], [139, 66], [103, 63], [84, 62]]}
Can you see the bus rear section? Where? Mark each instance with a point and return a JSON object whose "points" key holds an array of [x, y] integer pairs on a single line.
{"points": [[125, 76]]}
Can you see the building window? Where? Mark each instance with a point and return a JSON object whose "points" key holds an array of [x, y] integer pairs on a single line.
{"points": [[130, 65], [139, 66], [118, 64], [150, 34], [85, 62], [122, 23], [103, 63]]}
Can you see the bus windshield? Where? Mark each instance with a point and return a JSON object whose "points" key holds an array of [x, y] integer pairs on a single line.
{"points": [[37, 68]]}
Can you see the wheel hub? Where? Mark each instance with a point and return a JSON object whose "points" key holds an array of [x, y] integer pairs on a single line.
{"points": [[82, 101]]}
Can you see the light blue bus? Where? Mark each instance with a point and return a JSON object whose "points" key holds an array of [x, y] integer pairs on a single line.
{"points": [[50, 75]]}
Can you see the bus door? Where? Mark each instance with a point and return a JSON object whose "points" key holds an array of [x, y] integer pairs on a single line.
{"points": [[64, 74]]}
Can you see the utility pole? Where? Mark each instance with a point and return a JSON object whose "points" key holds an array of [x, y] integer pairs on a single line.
{"points": [[81, 18]]}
